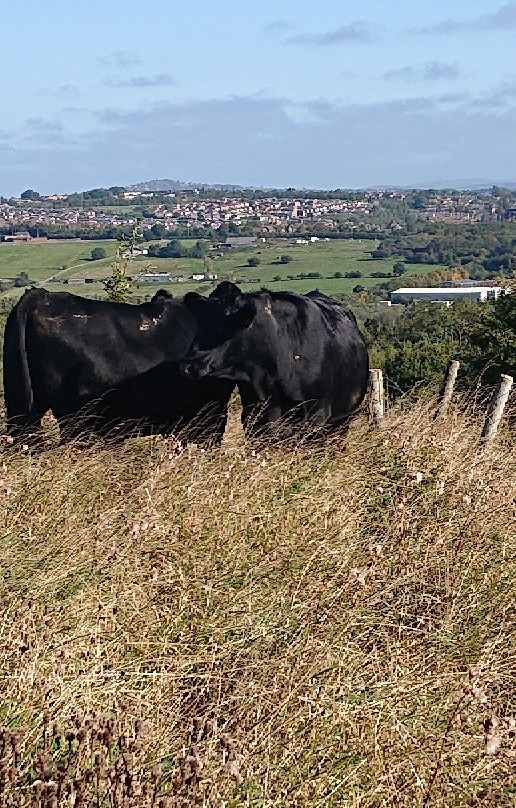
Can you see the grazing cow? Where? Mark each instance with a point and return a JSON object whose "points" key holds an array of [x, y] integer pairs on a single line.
{"points": [[98, 366], [296, 355]]}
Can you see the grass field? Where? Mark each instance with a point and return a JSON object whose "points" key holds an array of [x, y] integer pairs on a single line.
{"points": [[294, 627], [43, 260]]}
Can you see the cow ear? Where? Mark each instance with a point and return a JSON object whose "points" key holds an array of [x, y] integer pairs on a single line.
{"points": [[226, 292], [161, 294], [193, 300]]}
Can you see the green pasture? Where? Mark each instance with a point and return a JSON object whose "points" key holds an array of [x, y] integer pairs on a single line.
{"points": [[42, 260], [325, 257]]}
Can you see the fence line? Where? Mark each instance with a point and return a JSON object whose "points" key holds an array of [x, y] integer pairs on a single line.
{"points": [[377, 403]]}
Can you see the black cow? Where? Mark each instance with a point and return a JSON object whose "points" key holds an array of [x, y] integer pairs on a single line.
{"points": [[296, 355], [106, 367]]}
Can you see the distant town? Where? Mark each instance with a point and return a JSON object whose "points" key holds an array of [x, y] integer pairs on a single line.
{"points": [[103, 213]]}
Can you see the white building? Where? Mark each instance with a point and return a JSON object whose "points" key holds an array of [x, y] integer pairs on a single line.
{"points": [[154, 277], [447, 294]]}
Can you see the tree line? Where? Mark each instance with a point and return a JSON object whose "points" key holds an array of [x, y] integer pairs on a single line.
{"points": [[414, 348], [486, 250]]}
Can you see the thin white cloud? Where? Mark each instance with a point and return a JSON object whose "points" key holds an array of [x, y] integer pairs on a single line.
{"points": [[358, 31], [120, 59], [401, 74], [502, 19], [430, 71], [279, 26], [159, 80], [43, 125], [435, 71], [62, 91], [500, 97]]}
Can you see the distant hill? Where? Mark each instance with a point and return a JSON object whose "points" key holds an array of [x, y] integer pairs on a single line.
{"points": [[177, 185], [466, 184], [457, 184]]}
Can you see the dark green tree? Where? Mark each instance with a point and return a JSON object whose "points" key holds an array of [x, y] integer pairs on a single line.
{"points": [[491, 345], [253, 261], [97, 253], [158, 231], [29, 194], [22, 280]]}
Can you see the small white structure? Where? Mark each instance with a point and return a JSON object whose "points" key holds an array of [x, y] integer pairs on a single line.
{"points": [[447, 294], [204, 276], [154, 277]]}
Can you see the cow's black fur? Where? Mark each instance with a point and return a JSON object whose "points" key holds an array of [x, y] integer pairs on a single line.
{"points": [[105, 367], [300, 356]]}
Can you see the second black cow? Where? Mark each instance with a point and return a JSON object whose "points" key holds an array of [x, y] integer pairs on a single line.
{"points": [[295, 358]]}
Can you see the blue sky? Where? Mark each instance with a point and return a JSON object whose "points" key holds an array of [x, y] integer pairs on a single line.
{"points": [[323, 94]]}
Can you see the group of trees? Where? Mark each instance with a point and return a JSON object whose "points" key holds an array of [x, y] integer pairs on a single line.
{"points": [[176, 249], [486, 250], [414, 348], [19, 282]]}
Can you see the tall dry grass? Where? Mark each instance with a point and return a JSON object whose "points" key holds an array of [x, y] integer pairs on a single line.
{"points": [[324, 626]]}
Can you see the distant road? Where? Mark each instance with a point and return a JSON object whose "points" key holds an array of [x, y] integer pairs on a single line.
{"points": [[58, 273]]}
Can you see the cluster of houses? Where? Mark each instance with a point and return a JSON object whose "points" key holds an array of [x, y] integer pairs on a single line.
{"points": [[272, 214], [459, 207], [20, 217]]}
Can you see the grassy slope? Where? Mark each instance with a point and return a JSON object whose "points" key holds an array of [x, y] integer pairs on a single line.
{"points": [[44, 259], [295, 628], [41, 260]]}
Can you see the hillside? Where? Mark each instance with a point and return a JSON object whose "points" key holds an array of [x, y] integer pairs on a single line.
{"points": [[290, 627], [67, 260], [178, 185]]}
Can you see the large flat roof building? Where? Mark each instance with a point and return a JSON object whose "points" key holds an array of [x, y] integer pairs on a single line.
{"points": [[447, 293]]}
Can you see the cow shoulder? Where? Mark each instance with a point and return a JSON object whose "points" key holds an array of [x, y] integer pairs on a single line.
{"points": [[333, 310]]}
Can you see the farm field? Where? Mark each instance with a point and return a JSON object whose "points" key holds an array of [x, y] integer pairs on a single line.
{"points": [[46, 258], [323, 257], [327, 258], [291, 627]]}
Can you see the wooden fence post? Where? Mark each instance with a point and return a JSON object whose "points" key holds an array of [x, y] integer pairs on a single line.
{"points": [[377, 395], [447, 390], [496, 408]]}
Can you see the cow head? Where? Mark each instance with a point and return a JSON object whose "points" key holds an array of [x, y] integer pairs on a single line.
{"points": [[222, 319]]}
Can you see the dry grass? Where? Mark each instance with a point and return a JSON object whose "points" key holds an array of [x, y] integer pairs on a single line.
{"points": [[309, 627]]}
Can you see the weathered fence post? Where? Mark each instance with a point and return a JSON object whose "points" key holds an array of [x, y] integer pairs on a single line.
{"points": [[496, 408], [447, 390], [377, 395]]}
